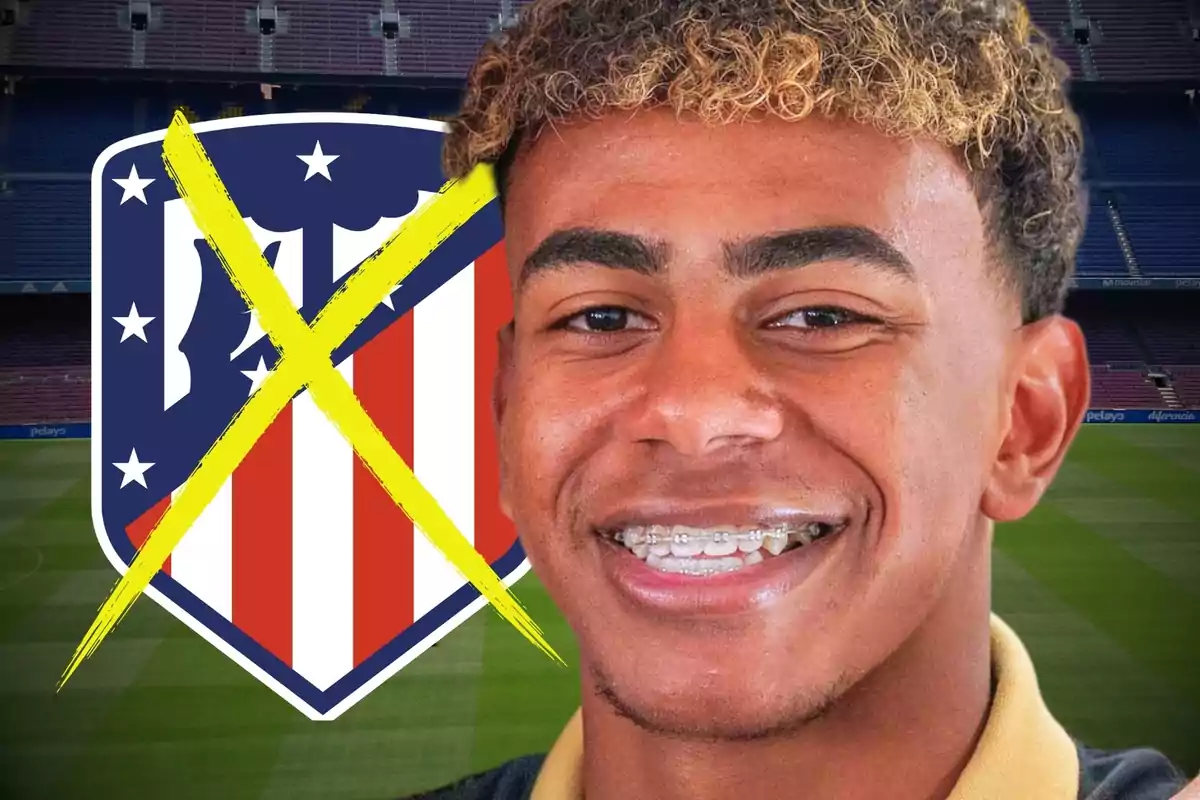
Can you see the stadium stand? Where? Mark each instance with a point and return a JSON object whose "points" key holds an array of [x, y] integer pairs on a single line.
{"points": [[44, 331], [1186, 381], [449, 35], [46, 231], [212, 35], [1134, 335], [1141, 139], [1054, 17], [1143, 174], [1132, 63], [1113, 388], [1100, 251], [343, 28], [47, 395], [1110, 341], [44, 372], [1128, 31], [69, 34], [57, 133], [1171, 341], [1164, 229], [1098, 39], [348, 37]]}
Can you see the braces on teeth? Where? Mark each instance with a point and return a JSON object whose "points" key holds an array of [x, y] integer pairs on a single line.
{"points": [[656, 534], [724, 549]]}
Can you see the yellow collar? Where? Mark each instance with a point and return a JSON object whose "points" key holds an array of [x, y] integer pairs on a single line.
{"points": [[1023, 751]]}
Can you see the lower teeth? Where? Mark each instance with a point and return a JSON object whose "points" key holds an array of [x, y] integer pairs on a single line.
{"points": [[702, 566]]}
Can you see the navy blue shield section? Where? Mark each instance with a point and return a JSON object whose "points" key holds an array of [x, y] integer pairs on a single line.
{"points": [[177, 352]]}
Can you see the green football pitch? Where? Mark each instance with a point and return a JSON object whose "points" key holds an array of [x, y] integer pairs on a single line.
{"points": [[1102, 582]]}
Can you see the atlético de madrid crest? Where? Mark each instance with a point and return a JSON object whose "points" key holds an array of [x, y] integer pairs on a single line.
{"points": [[301, 569]]}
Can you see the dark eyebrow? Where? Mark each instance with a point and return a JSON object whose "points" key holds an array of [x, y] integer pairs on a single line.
{"points": [[605, 248], [746, 259], [793, 249]]}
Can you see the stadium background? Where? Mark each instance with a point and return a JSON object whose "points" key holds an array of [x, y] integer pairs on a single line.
{"points": [[1102, 581]]}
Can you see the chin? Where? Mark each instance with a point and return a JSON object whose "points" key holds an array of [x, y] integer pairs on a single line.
{"points": [[706, 704]]}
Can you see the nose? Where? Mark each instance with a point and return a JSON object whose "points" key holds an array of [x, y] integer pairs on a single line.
{"points": [[703, 393]]}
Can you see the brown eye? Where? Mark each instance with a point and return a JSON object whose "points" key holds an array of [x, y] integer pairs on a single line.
{"points": [[606, 319], [823, 317]]}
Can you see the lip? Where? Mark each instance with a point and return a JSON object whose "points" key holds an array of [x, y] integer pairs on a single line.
{"points": [[741, 591]]}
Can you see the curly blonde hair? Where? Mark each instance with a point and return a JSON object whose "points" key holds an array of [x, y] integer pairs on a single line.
{"points": [[973, 75]]}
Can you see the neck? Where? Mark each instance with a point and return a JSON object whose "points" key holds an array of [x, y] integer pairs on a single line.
{"points": [[904, 732]]}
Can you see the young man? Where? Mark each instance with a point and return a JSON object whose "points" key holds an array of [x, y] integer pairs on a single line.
{"points": [[787, 344]]}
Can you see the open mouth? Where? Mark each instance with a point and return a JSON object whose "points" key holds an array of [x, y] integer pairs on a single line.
{"points": [[687, 550]]}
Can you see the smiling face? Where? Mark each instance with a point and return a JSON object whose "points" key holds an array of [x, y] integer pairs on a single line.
{"points": [[752, 400]]}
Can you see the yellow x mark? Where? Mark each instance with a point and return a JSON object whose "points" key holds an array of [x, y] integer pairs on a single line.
{"points": [[305, 361]]}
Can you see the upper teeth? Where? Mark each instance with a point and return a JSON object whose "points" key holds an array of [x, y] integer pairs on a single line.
{"points": [[683, 541]]}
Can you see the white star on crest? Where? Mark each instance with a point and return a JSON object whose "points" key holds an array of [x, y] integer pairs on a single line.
{"points": [[257, 375], [134, 325], [318, 162], [387, 299], [134, 186], [134, 471]]}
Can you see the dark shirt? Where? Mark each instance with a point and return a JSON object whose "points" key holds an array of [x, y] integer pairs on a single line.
{"points": [[1139, 774]]}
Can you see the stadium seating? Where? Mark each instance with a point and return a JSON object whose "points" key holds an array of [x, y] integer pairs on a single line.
{"points": [[1124, 389], [44, 363], [45, 396], [1131, 31], [1172, 340], [1054, 18], [44, 231], [83, 34], [205, 35], [447, 35], [1109, 333], [53, 134], [1127, 333], [1110, 342], [335, 36], [55, 350], [1127, 41], [342, 31], [1138, 327], [45, 348], [1100, 251], [1186, 381], [44, 331], [1141, 139], [209, 35], [1143, 147], [61, 134], [1163, 226]]}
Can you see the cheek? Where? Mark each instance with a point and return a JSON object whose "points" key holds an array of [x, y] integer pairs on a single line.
{"points": [[559, 416], [939, 439], [526, 457], [548, 431], [913, 421], [545, 431]]}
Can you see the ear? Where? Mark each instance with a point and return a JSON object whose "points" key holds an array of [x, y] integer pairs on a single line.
{"points": [[500, 384], [1049, 397]]}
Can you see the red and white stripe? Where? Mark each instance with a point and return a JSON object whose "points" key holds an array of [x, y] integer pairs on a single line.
{"points": [[302, 548]]}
